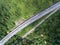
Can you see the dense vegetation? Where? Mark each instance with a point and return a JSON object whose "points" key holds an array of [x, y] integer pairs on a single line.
{"points": [[12, 10], [47, 33]]}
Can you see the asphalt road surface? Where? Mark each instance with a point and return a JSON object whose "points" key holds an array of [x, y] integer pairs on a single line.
{"points": [[29, 21], [32, 30]]}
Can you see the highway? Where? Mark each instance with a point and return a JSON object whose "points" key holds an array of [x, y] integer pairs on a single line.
{"points": [[32, 30], [29, 21]]}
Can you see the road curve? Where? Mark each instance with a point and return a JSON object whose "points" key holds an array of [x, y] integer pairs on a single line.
{"points": [[26, 23]]}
